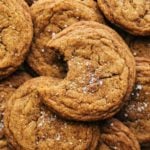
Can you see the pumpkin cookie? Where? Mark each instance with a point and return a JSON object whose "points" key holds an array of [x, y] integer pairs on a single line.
{"points": [[98, 61], [49, 18], [132, 16], [136, 112], [15, 35], [29, 124], [116, 136]]}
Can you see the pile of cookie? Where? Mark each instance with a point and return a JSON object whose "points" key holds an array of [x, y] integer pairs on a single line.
{"points": [[74, 75]]}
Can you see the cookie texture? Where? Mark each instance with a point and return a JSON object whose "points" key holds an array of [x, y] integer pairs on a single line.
{"points": [[49, 18], [7, 88], [15, 35], [29, 124], [132, 16], [5, 93], [98, 61], [135, 114], [116, 136]]}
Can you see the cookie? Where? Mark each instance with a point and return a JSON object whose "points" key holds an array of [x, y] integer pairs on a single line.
{"points": [[7, 88], [5, 93], [98, 61], [49, 18], [132, 16], [15, 35], [116, 136], [135, 113], [38, 128]]}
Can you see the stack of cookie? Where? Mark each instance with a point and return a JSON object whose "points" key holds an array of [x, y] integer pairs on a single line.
{"points": [[74, 75]]}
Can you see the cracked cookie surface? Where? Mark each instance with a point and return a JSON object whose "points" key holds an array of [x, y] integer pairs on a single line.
{"points": [[136, 112], [49, 18], [7, 88], [31, 125], [116, 136], [100, 75], [5, 93], [15, 35], [132, 16]]}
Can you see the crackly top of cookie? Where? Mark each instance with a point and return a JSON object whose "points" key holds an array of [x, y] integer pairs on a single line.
{"points": [[116, 136], [38, 128], [133, 16], [98, 61], [7, 88], [15, 34], [5, 93], [49, 18], [135, 113]]}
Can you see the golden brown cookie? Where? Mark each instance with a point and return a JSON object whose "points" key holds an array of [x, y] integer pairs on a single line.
{"points": [[101, 72], [5, 93], [15, 35], [7, 87], [49, 18], [116, 136], [132, 16], [136, 112], [29, 124]]}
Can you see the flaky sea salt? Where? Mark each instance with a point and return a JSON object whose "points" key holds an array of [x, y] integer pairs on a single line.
{"points": [[65, 25], [126, 115], [53, 34], [42, 50], [57, 137], [139, 87]]}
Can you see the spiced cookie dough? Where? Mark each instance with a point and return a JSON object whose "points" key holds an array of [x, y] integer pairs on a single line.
{"points": [[116, 136], [132, 16], [136, 112], [15, 35], [101, 72], [49, 18], [29, 124]]}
